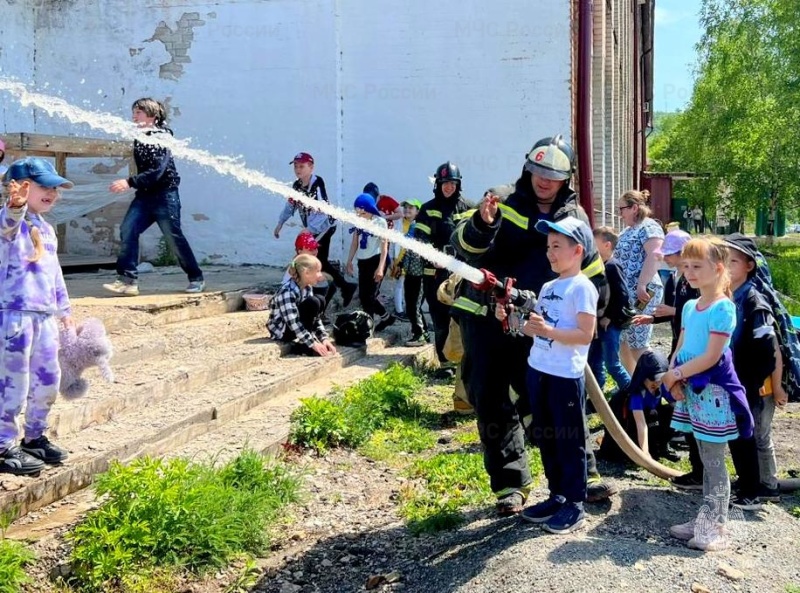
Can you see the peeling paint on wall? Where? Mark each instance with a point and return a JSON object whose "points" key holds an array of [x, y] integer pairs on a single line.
{"points": [[177, 42]]}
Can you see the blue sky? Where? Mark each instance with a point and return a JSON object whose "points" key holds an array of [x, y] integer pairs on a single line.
{"points": [[676, 32]]}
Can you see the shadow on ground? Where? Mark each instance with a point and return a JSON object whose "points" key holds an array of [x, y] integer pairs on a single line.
{"points": [[624, 532]]}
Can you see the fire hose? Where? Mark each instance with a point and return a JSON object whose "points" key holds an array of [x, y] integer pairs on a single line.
{"points": [[506, 295]]}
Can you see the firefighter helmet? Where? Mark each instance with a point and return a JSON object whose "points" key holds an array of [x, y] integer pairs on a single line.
{"points": [[447, 172], [551, 158]]}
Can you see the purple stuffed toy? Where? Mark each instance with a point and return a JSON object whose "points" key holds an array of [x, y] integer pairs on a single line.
{"points": [[81, 348]]}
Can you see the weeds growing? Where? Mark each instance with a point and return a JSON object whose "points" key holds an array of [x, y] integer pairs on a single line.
{"points": [[351, 416], [450, 482], [399, 436], [14, 557], [177, 514]]}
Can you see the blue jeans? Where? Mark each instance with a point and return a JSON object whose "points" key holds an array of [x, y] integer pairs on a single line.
{"points": [[165, 211], [605, 351]]}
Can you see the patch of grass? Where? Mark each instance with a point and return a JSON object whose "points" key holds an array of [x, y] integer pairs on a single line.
{"points": [[14, 557], [451, 481], [350, 417], [795, 511], [467, 437], [246, 579], [160, 516], [164, 255], [784, 264], [535, 463], [151, 580], [683, 465], [792, 588], [397, 437], [595, 422]]}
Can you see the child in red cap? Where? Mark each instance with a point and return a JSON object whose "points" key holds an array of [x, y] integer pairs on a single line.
{"points": [[305, 243]]}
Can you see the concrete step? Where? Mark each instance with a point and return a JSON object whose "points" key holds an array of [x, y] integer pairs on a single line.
{"points": [[135, 345], [125, 313], [137, 387], [160, 427], [263, 428], [266, 428]]}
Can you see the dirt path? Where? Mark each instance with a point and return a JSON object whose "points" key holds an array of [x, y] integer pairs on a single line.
{"points": [[349, 531]]}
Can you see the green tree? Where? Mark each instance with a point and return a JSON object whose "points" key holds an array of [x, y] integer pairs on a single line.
{"points": [[742, 125]]}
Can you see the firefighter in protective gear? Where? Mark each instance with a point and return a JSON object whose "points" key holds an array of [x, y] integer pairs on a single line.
{"points": [[434, 224], [501, 237]]}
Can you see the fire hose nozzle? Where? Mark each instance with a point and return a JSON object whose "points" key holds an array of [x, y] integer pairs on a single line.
{"points": [[490, 282]]}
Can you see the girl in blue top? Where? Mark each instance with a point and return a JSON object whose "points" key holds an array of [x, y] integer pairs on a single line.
{"points": [[705, 386]]}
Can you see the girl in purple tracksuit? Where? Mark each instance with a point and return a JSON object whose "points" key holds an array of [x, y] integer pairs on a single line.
{"points": [[32, 297]]}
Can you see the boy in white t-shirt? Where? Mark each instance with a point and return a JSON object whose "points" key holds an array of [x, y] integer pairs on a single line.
{"points": [[371, 252], [562, 325]]}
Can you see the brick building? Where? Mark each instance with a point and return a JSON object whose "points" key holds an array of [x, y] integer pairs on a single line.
{"points": [[376, 91]]}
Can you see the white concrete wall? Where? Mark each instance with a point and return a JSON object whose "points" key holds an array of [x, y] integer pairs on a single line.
{"points": [[469, 81], [16, 60], [374, 90]]}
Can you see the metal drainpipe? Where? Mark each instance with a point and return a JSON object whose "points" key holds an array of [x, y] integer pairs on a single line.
{"points": [[584, 116], [637, 115]]}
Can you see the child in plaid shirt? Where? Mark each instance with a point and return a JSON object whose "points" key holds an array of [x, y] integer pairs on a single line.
{"points": [[295, 311]]}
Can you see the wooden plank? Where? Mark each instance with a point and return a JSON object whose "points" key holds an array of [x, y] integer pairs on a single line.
{"points": [[61, 236], [68, 260], [61, 164], [13, 141], [61, 229], [45, 144]]}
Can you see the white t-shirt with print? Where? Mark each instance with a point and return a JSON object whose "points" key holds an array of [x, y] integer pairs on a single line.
{"points": [[559, 303], [372, 243]]}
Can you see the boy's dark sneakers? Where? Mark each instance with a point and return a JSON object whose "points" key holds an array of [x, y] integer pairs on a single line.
{"points": [[766, 494], [745, 503], [385, 322], [16, 461], [348, 292], [43, 449], [543, 511], [687, 482], [600, 491], [510, 504], [569, 518]]}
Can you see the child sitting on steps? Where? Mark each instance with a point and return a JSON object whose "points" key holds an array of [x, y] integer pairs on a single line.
{"points": [[295, 311]]}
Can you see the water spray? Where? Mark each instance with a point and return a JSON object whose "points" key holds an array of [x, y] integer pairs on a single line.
{"points": [[225, 165]]}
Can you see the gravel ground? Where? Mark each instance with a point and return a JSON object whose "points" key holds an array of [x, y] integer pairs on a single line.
{"points": [[349, 531], [347, 536]]}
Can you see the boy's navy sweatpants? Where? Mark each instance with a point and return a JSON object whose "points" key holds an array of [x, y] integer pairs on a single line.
{"points": [[558, 427]]}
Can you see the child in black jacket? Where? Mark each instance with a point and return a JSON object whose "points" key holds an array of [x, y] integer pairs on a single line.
{"points": [[156, 201]]}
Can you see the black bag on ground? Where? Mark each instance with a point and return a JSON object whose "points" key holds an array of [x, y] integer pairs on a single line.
{"points": [[353, 328]]}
